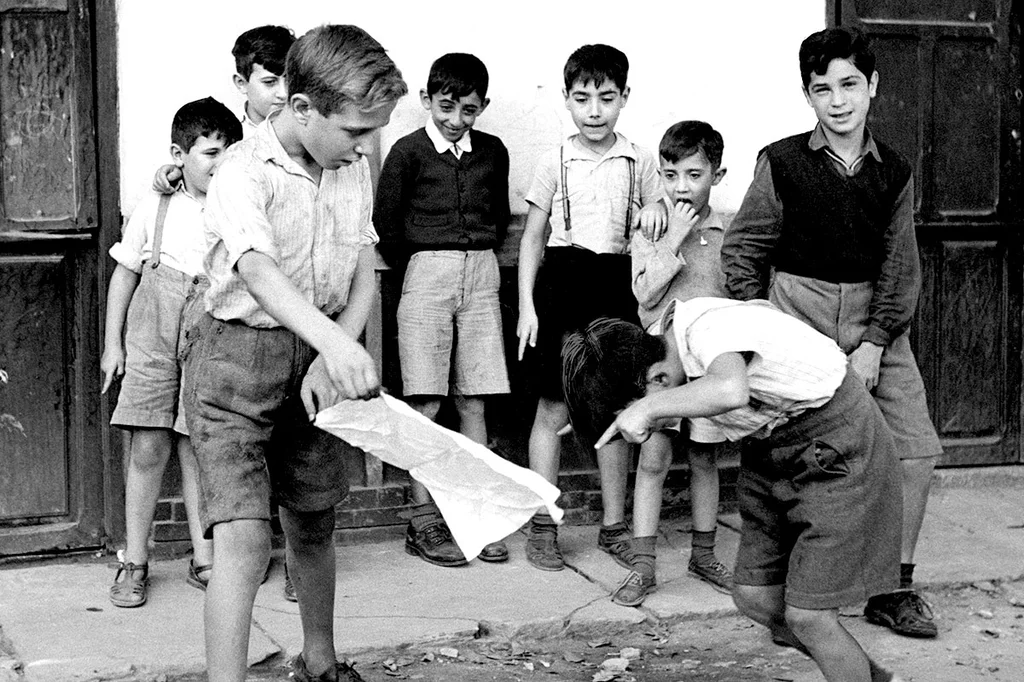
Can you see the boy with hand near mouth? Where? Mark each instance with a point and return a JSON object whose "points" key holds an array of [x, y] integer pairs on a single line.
{"points": [[684, 263], [589, 189], [441, 211]]}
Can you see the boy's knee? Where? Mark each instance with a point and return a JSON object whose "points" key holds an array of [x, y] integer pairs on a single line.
{"points": [[757, 603], [150, 451], [308, 530], [702, 458], [805, 622], [469, 408], [654, 463], [551, 414], [428, 407]]}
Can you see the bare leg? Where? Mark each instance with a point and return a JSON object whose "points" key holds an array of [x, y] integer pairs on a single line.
{"points": [[545, 447], [917, 480], [241, 549], [311, 560], [202, 549], [837, 653], [149, 451], [472, 423], [613, 464], [655, 458], [703, 486], [428, 406]]}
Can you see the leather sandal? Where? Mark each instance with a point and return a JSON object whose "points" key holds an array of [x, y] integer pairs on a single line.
{"points": [[195, 574], [130, 584]]}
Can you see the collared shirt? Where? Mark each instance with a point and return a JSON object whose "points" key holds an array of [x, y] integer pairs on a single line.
{"points": [[182, 244], [792, 369], [249, 126], [262, 200], [748, 244], [661, 274], [464, 143], [597, 191]]}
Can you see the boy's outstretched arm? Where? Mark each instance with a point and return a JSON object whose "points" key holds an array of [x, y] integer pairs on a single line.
{"points": [[166, 179], [123, 283], [723, 388], [749, 241], [531, 249], [348, 365]]}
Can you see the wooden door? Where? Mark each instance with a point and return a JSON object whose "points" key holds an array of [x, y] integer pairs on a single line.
{"points": [[949, 98], [51, 457]]}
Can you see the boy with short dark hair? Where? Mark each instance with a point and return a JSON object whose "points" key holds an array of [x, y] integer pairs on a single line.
{"points": [[684, 263], [158, 258], [589, 190], [289, 296], [819, 486], [259, 71], [441, 211], [830, 213]]}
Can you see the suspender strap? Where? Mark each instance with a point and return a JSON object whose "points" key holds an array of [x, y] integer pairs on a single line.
{"points": [[566, 212], [158, 233]]}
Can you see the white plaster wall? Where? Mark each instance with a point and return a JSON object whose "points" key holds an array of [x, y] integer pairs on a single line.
{"points": [[732, 63]]}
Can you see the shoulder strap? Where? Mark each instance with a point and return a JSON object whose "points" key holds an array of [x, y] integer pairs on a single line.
{"points": [[565, 192], [629, 197], [158, 231]]}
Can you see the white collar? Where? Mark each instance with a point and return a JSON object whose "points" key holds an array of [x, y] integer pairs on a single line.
{"points": [[442, 145]]}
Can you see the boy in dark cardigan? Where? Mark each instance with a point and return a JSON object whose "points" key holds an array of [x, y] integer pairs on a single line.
{"points": [[830, 214], [441, 211]]}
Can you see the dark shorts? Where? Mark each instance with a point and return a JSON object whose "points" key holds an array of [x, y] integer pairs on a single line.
{"points": [[574, 287], [249, 428], [821, 505]]}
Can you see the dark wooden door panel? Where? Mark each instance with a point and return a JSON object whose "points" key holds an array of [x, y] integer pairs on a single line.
{"points": [[33, 351]]}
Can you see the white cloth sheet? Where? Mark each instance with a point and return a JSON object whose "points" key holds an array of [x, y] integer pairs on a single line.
{"points": [[482, 496]]}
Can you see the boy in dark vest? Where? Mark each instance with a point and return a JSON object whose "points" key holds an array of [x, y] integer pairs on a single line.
{"points": [[826, 232]]}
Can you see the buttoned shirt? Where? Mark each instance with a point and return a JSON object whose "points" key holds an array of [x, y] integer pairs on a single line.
{"points": [[182, 245], [597, 191], [661, 274], [249, 126], [792, 367], [758, 224], [262, 200]]}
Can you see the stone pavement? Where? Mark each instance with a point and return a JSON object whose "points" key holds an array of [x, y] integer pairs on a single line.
{"points": [[56, 624]]}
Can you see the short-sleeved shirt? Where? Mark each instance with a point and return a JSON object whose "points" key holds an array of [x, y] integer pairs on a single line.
{"points": [[793, 368], [597, 191], [182, 245], [262, 200]]}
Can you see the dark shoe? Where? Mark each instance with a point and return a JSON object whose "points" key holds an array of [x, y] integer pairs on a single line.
{"points": [[714, 573], [195, 576], [434, 544], [903, 612], [342, 672], [495, 552], [542, 550], [615, 540], [634, 589], [131, 583], [289, 588]]}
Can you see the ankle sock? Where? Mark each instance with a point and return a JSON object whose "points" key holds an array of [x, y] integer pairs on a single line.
{"points": [[542, 523], [906, 576], [643, 555], [424, 513], [702, 546]]}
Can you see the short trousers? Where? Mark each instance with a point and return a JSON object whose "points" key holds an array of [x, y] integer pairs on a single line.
{"points": [[840, 311], [150, 389], [449, 315], [821, 505], [249, 429], [574, 287]]}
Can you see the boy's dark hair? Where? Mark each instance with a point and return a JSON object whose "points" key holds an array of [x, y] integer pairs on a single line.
{"points": [[842, 42], [263, 45], [596, 64], [206, 117], [686, 138], [604, 368], [459, 75], [335, 65]]}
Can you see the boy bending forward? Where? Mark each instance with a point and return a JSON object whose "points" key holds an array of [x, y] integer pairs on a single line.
{"points": [[819, 486]]}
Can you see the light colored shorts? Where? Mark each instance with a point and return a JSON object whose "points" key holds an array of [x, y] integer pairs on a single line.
{"points": [[840, 311], [150, 394], [449, 308]]}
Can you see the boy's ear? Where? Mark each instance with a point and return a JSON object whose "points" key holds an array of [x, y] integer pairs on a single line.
{"points": [[301, 107], [873, 84], [625, 95], [241, 84], [718, 175], [178, 155], [425, 99], [483, 105]]}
